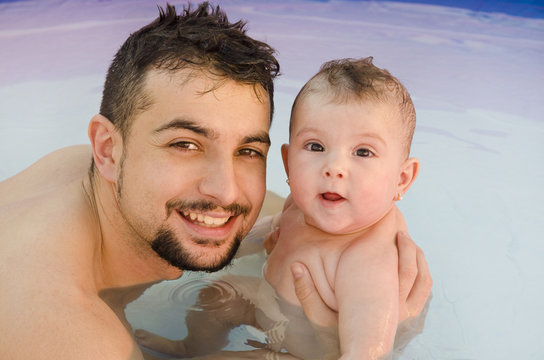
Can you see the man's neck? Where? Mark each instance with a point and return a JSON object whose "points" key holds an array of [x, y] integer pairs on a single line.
{"points": [[118, 298], [122, 260]]}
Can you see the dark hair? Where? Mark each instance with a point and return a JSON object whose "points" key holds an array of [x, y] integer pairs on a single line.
{"points": [[199, 39], [359, 79]]}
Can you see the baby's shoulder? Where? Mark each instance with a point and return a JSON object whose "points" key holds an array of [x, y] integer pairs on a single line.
{"points": [[379, 239]]}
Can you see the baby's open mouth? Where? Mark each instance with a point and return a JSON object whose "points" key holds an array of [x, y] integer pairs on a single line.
{"points": [[331, 196], [204, 220]]}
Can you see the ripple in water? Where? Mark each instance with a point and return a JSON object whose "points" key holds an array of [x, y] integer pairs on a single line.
{"points": [[204, 295]]}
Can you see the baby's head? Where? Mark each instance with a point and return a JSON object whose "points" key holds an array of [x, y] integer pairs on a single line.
{"points": [[345, 81], [349, 141]]}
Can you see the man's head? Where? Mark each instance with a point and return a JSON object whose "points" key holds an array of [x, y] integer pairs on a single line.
{"points": [[182, 136], [359, 80], [199, 39]]}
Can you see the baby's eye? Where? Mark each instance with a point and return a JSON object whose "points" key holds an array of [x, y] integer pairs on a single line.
{"points": [[363, 152], [314, 147], [185, 145]]}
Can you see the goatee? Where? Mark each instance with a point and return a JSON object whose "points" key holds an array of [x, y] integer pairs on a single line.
{"points": [[169, 248]]}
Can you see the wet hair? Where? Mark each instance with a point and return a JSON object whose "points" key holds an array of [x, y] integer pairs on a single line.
{"points": [[199, 39], [347, 80]]}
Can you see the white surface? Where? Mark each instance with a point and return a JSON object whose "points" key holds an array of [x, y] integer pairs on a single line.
{"points": [[477, 83]]}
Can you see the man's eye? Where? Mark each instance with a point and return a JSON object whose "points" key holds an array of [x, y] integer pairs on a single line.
{"points": [[363, 152], [251, 153], [314, 147], [185, 145]]}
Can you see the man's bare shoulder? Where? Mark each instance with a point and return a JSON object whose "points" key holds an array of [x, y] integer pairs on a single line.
{"points": [[72, 325], [49, 307], [59, 167]]}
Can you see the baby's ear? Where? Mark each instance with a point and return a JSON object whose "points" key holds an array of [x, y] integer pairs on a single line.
{"points": [[408, 173], [284, 156], [106, 143]]}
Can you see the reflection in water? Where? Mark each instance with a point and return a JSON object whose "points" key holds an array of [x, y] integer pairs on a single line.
{"points": [[219, 295], [213, 308]]}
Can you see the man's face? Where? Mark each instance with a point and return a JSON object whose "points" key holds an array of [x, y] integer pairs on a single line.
{"points": [[193, 172]]}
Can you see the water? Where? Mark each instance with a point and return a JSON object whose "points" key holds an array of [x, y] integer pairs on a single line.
{"points": [[163, 308], [477, 83]]}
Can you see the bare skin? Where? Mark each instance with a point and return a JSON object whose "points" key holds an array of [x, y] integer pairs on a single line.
{"points": [[47, 306], [68, 266], [334, 262], [344, 182]]}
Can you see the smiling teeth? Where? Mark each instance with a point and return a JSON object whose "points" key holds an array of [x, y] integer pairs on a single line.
{"points": [[205, 220]]}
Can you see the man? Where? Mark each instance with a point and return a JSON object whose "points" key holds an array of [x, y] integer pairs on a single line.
{"points": [[176, 181]]}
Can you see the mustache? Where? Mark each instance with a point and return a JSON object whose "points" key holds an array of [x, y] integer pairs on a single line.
{"points": [[203, 205]]}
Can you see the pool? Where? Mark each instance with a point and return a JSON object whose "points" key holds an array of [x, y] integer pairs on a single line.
{"points": [[476, 76]]}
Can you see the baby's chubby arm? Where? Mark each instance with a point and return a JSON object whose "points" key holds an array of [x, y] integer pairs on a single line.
{"points": [[367, 292]]}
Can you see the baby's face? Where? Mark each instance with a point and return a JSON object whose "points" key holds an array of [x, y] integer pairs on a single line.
{"points": [[344, 162]]}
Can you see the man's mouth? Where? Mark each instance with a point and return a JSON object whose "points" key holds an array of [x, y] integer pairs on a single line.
{"points": [[204, 220]]}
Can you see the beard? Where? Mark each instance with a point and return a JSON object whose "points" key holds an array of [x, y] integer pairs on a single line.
{"points": [[170, 249], [165, 243]]}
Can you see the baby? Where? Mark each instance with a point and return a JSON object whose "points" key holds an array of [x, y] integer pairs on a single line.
{"points": [[347, 164]]}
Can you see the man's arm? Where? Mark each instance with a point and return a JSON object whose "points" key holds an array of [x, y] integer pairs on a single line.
{"points": [[415, 281]]}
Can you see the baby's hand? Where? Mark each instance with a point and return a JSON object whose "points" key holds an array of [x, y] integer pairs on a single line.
{"points": [[270, 240]]}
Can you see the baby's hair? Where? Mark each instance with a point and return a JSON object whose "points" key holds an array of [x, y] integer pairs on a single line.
{"points": [[349, 79]]}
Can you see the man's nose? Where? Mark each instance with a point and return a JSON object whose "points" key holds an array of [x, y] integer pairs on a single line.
{"points": [[220, 182]]}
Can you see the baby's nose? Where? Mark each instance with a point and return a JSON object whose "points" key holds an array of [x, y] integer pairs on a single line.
{"points": [[334, 173]]}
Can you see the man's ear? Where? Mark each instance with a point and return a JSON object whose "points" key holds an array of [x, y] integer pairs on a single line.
{"points": [[284, 153], [106, 142], [408, 173]]}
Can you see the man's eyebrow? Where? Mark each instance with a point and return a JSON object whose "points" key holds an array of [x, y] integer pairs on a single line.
{"points": [[186, 125], [260, 138]]}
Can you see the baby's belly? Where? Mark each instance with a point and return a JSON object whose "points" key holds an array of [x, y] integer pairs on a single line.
{"points": [[281, 279]]}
